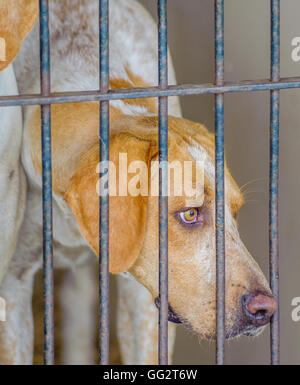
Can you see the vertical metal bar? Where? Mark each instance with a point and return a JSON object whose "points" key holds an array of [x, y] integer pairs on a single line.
{"points": [[104, 199], [274, 174], [219, 158], [47, 187], [163, 183]]}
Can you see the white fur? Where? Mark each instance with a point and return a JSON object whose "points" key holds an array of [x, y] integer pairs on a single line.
{"points": [[12, 206], [12, 180]]}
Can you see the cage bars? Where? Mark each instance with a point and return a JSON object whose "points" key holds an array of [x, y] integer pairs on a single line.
{"points": [[162, 91], [47, 186], [274, 175], [148, 92], [163, 182], [219, 183], [104, 197]]}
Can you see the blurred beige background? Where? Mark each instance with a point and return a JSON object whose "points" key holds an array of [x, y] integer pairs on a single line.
{"points": [[247, 39]]}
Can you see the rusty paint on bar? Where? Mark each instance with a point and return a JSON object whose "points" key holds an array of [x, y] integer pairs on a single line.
{"points": [[47, 186], [146, 92], [219, 154], [163, 183], [274, 175], [104, 198]]}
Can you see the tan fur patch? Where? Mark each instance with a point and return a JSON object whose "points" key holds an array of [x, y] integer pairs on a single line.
{"points": [[17, 19], [74, 129], [127, 214], [150, 104]]}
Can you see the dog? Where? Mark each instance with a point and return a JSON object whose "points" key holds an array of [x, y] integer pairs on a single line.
{"points": [[133, 218]]}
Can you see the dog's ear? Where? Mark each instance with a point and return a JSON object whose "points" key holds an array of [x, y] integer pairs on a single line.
{"points": [[17, 17], [127, 214]]}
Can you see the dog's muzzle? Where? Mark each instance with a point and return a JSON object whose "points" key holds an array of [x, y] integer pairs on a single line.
{"points": [[172, 316]]}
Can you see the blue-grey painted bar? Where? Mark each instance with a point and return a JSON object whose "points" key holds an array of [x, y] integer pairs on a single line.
{"points": [[219, 154], [274, 174], [146, 92], [163, 183], [47, 186], [104, 198]]}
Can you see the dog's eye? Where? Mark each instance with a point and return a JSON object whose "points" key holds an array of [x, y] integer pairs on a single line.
{"points": [[189, 216]]}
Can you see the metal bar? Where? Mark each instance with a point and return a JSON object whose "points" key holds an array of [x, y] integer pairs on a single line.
{"points": [[104, 198], [146, 92], [274, 174], [163, 183], [47, 187], [219, 155]]}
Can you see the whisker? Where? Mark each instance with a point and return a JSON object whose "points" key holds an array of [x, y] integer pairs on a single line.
{"points": [[251, 201], [252, 181], [254, 192]]}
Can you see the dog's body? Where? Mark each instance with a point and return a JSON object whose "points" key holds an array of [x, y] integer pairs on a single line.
{"points": [[133, 221]]}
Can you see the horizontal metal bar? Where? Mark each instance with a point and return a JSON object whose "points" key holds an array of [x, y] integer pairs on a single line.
{"points": [[147, 92]]}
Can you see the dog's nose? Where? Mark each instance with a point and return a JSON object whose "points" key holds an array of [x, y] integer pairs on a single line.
{"points": [[259, 308]]}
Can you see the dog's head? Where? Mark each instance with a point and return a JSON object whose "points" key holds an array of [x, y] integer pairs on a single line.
{"points": [[134, 235]]}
